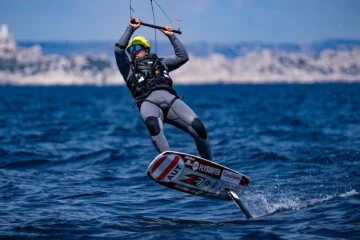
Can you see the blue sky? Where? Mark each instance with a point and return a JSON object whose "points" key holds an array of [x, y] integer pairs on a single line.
{"points": [[203, 20]]}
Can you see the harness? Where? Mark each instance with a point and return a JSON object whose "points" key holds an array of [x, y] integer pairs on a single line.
{"points": [[149, 74], [168, 107]]}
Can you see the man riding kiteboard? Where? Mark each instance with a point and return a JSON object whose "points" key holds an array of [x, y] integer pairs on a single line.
{"points": [[147, 77]]}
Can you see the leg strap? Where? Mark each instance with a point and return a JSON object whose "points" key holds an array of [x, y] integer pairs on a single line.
{"points": [[167, 109]]}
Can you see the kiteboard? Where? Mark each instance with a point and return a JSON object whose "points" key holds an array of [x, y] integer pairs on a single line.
{"points": [[198, 176]]}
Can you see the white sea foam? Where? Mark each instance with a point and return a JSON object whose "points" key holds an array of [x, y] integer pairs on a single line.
{"points": [[349, 194], [260, 205]]}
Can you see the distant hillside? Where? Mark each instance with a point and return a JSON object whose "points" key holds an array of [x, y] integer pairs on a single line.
{"points": [[199, 49], [67, 63]]}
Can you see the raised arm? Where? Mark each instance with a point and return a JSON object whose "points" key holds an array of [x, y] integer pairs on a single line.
{"points": [[180, 57], [122, 59]]}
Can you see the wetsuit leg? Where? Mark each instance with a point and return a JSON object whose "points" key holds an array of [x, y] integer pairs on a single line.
{"points": [[153, 118], [181, 116]]}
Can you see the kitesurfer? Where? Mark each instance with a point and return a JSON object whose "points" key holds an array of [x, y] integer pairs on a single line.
{"points": [[147, 77]]}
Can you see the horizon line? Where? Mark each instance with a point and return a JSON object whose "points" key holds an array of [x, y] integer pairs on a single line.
{"points": [[211, 42]]}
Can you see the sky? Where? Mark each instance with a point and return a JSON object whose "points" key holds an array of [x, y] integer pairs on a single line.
{"points": [[216, 21]]}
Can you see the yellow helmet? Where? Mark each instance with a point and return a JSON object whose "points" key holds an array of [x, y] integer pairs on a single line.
{"points": [[139, 40]]}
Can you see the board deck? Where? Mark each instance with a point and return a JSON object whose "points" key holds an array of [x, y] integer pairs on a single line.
{"points": [[196, 175]]}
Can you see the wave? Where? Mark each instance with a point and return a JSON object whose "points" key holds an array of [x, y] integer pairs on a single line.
{"points": [[83, 195], [27, 164], [349, 194], [101, 157], [268, 156], [264, 207]]}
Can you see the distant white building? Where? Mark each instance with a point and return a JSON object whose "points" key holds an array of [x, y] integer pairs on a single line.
{"points": [[7, 48], [4, 32]]}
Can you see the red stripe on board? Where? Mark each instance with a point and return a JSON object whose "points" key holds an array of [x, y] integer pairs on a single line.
{"points": [[158, 163], [169, 168]]}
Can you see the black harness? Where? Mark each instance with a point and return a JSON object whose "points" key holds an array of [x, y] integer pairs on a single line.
{"points": [[149, 74]]}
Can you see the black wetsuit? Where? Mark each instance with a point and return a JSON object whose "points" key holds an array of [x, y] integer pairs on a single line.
{"points": [[161, 104]]}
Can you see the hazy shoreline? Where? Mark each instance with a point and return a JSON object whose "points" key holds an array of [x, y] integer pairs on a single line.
{"points": [[247, 63]]}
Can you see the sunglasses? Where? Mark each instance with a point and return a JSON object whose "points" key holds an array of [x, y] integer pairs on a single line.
{"points": [[135, 48]]}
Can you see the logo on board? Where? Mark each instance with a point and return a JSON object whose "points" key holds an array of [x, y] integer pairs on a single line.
{"points": [[193, 179], [230, 177], [196, 166]]}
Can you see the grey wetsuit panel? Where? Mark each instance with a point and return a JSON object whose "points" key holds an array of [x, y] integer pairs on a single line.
{"points": [[179, 114]]}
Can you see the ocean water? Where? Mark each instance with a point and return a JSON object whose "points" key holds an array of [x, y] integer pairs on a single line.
{"points": [[73, 163]]}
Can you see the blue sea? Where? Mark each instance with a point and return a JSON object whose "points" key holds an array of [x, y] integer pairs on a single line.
{"points": [[73, 164]]}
